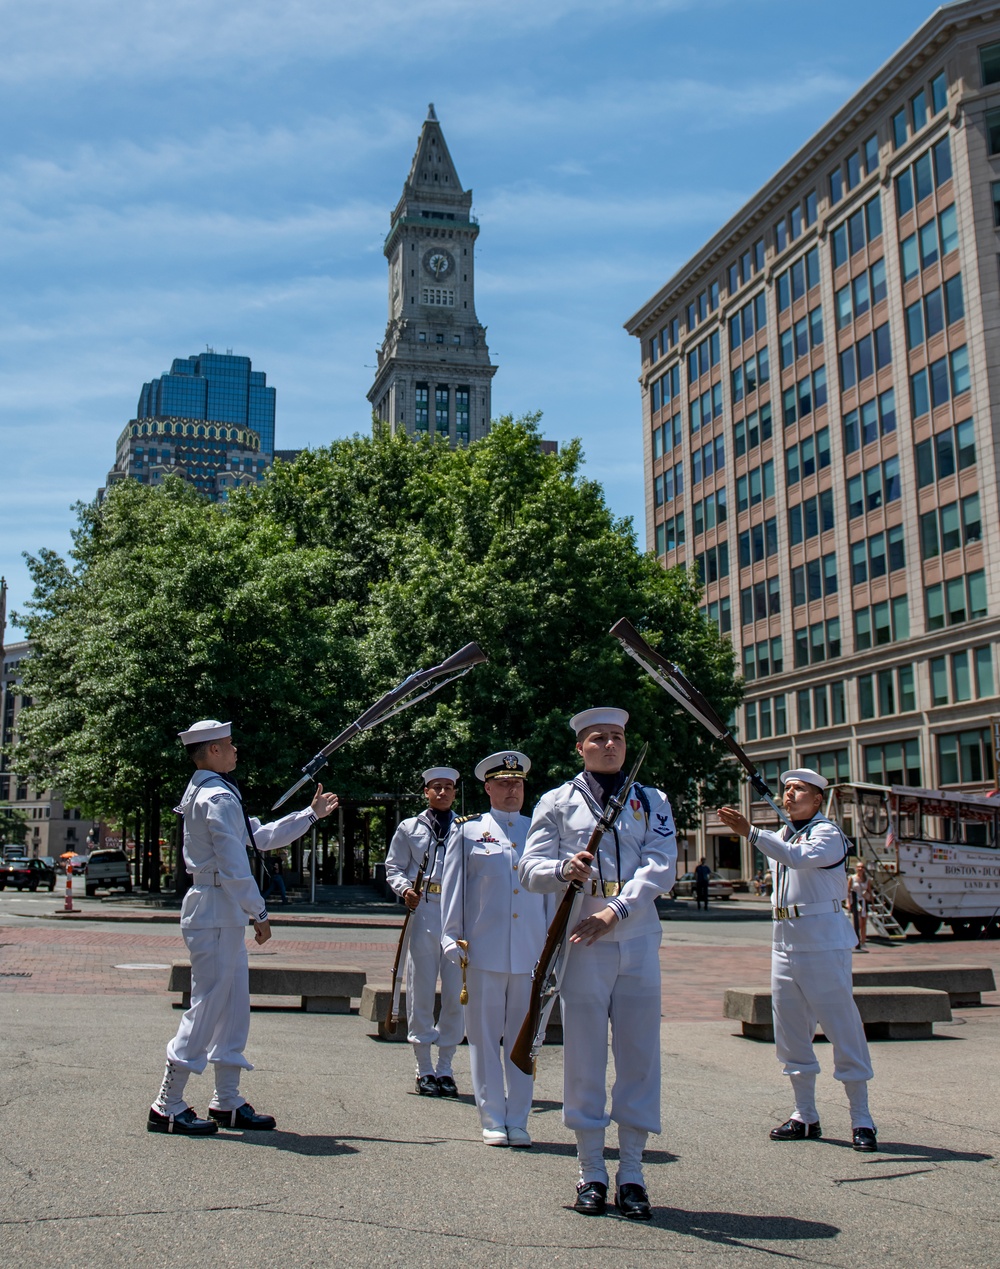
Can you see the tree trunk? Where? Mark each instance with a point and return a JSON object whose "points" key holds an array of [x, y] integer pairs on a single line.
{"points": [[154, 840]]}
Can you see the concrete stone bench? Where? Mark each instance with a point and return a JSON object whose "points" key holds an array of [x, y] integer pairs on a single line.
{"points": [[963, 983], [376, 1000], [321, 990], [888, 1013]]}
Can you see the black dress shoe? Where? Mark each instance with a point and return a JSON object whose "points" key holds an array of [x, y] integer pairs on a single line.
{"points": [[865, 1140], [796, 1130], [633, 1202], [591, 1198], [244, 1117], [187, 1123], [446, 1086], [427, 1086]]}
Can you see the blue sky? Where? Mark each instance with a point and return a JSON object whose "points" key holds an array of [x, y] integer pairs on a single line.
{"points": [[181, 174]]}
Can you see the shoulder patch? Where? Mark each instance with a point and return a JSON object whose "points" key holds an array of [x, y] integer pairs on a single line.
{"points": [[222, 797], [464, 819]]}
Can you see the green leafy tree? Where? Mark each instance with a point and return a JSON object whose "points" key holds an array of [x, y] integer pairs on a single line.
{"points": [[293, 606]]}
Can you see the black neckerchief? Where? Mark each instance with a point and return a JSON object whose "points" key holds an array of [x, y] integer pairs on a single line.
{"points": [[438, 823], [601, 787]]}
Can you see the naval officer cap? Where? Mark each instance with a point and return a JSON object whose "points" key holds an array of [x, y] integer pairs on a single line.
{"points": [[806, 776], [440, 773], [208, 729], [602, 717], [508, 764]]}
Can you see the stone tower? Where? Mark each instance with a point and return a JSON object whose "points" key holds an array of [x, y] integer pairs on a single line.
{"points": [[434, 371]]}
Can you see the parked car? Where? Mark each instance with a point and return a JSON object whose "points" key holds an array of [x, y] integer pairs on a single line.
{"points": [[108, 870], [718, 887], [27, 872]]}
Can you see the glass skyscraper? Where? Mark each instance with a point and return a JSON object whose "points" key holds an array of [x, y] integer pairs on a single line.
{"points": [[213, 388], [210, 420]]}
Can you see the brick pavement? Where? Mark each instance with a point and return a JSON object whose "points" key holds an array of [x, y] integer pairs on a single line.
{"points": [[70, 959]]}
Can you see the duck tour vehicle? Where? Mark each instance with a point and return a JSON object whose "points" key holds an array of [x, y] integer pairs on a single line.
{"points": [[933, 856]]}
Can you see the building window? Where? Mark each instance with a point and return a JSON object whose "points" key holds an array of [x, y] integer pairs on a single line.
{"points": [[421, 418], [965, 757], [439, 297], [832, 764], [899, 128], [885, 622], [989, 63], [895, 763], [956, 600], [441, 395], [462, 395]]}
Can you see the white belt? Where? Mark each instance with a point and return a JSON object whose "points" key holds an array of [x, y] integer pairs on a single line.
{"points": [[807, 909], [206, 877]]}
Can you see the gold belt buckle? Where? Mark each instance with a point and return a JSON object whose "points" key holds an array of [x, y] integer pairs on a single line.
{"points": [[781, 914], [611, 888], [433, 887]]}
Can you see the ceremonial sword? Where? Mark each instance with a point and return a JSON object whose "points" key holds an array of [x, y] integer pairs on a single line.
{"points": [[392, 703], [673, 682]]}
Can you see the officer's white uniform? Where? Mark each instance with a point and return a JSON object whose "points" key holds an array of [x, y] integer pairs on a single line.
{"points": [[619, 975], [811, 975], [412, 839], [222, 900], [484, 902]]}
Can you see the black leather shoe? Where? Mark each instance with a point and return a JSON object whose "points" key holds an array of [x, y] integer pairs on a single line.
{"points": [[244, 1117], [633, 1202], [796, 1130], [591, 1198], [187, 1123], [865, 1140], [446, 1086], [427, 1086]]}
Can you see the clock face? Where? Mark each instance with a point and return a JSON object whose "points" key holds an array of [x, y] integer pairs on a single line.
{"points": [[438, 263]]}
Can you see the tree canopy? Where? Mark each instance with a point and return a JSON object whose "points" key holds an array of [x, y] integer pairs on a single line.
{"points": [[292, 607]]}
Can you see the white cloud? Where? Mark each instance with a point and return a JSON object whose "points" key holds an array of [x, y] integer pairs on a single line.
{"points": [[130, 39]]}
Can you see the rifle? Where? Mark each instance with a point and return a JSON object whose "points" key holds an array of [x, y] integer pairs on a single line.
{"points": [[392, 703], [685, 693], [401, 946], [549, 969]]}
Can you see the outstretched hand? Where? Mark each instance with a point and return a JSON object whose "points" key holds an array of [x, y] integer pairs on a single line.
{"points": [[735, 820], [323, 804]]}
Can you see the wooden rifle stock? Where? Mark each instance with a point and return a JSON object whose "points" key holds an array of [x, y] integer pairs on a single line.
{"points": [[418, 885]]}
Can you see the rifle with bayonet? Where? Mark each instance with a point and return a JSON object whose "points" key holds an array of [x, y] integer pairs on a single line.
{"points": [[403, 944], [547, 977], [392, 703], [674, 683]]}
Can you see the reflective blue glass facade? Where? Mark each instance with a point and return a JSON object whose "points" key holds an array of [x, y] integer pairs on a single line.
{"points": [[213, 387]]}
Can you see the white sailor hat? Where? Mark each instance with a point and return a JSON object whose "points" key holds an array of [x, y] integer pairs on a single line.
{"points": [[806, 776], [602, 717], [207, 729], [440, 773], [508, 764]]}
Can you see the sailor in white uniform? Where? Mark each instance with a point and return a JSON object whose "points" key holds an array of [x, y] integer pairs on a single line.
{"points": [[811, 974], [423, 838], [222, 899], [484, 904], [613, 966]]}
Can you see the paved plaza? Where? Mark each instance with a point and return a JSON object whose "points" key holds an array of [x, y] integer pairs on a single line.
{"points": [[362, 1172]]}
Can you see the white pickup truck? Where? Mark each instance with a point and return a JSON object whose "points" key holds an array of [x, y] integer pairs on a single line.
{"points": [[108, 870]]}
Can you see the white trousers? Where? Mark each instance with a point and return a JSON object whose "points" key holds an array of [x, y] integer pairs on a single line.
{"points": [[497, 1006], [423, 965], [620, 982], [817, 987], [216, 1026]]}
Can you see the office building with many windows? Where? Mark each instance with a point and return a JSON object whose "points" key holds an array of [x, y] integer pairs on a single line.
{"points": [[819, 387], [210, 420], [434, 374]]}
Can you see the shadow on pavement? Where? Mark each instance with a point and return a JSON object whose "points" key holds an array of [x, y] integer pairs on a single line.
{"points": [[731, 1228], [902, 1152]]}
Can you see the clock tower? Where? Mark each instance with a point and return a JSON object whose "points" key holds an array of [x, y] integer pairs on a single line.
{"points": [[434, 372]]}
